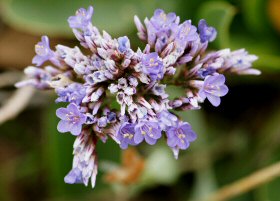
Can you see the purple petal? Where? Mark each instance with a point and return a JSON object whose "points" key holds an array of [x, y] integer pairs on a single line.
{"points": [[171, 17], [171, 141], [38, 60], [124, 145], [62, 113], [191, 136], [150, 140], [76, 129], [214, 100], [156, 133], [202, 94], [138, 137], [223, 90], [183, 144], [216, 80], [63, 126], [73, 108], [45, 41], [73, 177]]}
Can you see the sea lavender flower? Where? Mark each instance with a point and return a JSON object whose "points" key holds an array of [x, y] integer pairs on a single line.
{"points": [[43, 51], [206, 33], [186, 33], [161, 20], [72, 119], [152, 65], [82, 18], [180, 136], [124, 44], [120, 93], [148, 130], [38, 78], [73, 93], [240, 62], [213, 88], [126, 134]]}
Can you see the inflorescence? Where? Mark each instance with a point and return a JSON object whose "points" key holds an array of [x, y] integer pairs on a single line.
{"points": [[175, 54]]}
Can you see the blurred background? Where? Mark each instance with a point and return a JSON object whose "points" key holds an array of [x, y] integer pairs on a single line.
{"points": [[234, 140]]}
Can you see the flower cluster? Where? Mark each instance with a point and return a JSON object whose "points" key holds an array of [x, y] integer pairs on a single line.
{"points": [[116, 92]]}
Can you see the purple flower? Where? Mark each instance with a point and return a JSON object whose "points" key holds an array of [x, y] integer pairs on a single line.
{"points": [[160, 20], [74, 177], [112, 117], [186, 33], [82, 18], [126, 135], [102, 122], [43, 52], [166, 119], [124, 44], [152, 65], [73, 93], [203, 72], [72, 119], [213, 88], [161, 29], [206, 33], [150, 131], [180, 136], [240, 62], [39, 78]]}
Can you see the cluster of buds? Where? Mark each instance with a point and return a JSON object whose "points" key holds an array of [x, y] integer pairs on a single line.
{"points": [[114, 74]]}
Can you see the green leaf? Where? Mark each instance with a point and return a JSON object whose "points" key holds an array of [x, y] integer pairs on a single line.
{"points": [[50, 16], [219, 15], [174, 91], [160, 167], [255, 15]]}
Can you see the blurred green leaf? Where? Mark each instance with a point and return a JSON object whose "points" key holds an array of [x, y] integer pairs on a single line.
{"points": [[161, 167], [50, 16], [205, 184], [218, 14], [205, 181], [174, 91], [255, 15]]}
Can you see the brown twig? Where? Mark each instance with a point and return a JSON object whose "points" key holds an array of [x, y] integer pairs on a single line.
{"points": [[250, 182], [15, 104]]}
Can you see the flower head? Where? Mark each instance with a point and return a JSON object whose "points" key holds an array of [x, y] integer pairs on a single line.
{"points": [[122, 93], [72, 119]]}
